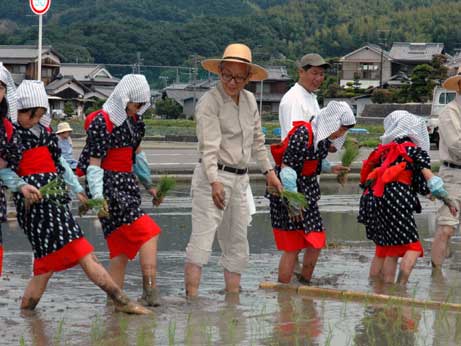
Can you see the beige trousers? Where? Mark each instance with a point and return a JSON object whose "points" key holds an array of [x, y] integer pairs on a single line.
{"points": [[230, 224]]}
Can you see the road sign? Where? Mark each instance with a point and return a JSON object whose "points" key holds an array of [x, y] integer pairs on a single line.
{"points": [[39, 7]]}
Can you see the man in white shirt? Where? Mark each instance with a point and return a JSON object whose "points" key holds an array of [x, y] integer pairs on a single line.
{"points": [[300, 102]]}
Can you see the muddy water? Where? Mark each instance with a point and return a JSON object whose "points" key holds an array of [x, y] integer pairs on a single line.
{"points": [[74, 312]]}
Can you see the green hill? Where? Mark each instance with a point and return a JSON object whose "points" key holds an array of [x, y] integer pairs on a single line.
{"points": [[169, 32]]}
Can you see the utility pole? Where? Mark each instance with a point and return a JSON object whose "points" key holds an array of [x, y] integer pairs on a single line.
{"points": [[194, 79], [383, 43]]}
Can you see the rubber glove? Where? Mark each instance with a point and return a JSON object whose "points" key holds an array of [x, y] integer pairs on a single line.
{"points": [[94, 177], [288, 177], [11, 180], [435, 185], [70, 178], [326, 166], [142, 170]]}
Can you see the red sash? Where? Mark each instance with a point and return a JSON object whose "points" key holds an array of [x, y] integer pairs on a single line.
{"points": [[277, 150], [8, 129], [118, 160], [382, 174], [89, 118], [35, 161]]}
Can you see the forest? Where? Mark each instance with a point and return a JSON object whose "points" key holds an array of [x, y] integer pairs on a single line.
{"points": [[170, 32]]}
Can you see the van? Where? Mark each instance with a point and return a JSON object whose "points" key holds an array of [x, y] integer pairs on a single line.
{"points": [[440, 98]]}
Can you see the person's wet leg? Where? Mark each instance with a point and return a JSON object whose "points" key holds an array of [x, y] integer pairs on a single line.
{"points": [[34, 291], [148, 259]]}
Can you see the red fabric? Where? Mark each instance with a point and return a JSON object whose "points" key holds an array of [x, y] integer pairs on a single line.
{"points": [[298, 240], [89, 118], [398, 250], [1, 259], [278, 149], [118, 160], [35, 161], [8, 128], [309, 167], [79, 172], [128, 239], [373, 170], [64, 258]]}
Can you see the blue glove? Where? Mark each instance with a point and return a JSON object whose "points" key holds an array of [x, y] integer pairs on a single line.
{"points": [[11, 180], [288, 177], [142, 170], [326, 166], [70, 178], [94, 177], [435, 185]]}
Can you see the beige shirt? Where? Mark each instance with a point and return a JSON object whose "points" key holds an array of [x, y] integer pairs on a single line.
{"points": [[229, 133], [450, 133]]}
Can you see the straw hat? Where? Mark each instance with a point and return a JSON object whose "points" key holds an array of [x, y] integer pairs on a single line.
{"points": [[236, 52], [454, 82], [63, 127]]}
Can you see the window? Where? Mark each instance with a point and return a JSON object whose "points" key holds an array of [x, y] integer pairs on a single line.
{"points": [[266, 88], [20, 69], [369, 70], [446, 97]]}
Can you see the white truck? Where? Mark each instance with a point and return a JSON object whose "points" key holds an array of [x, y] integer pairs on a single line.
{"points": [[440, 98]]}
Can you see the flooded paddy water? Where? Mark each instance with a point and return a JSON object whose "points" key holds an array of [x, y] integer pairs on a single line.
{"points": [[74, 312]]}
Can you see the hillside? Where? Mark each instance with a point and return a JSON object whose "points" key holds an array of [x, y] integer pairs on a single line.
{"points": [[169, 32]]}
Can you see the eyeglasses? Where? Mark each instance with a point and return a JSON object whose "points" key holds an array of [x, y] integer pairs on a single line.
{"points": [[227, 77]]}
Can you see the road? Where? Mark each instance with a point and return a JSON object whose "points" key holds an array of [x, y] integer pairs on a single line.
{"points": [[182, 157]]}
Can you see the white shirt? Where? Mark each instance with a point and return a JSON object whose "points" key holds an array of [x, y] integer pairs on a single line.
{"points": [[297, 104]]}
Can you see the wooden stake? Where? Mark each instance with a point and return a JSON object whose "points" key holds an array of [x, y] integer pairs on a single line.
{"points": [[364, 297]]}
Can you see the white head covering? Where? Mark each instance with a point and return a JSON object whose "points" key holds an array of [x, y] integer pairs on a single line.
{"points": [[32, 94], [11, 97], [132, 88], [400, 124], [330, 119]]}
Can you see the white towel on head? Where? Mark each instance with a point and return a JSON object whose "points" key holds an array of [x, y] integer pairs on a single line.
{"points": [[32, 94], [399, 124], [330, 119], [132, 88], [11, 97]]}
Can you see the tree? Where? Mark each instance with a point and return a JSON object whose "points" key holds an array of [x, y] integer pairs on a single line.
{"points": [[168, 107], [382, 96], [439, 73], [421, 83], [68, 108]]}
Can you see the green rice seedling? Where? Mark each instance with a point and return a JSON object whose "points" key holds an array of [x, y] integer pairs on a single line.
{"points": [[350, 153], [54, 190], [171, 332], [58, 336], [165, 184], [22, 341], [294, 201], [99, 204]]}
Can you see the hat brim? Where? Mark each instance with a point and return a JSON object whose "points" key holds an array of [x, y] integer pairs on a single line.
{"points": [[257, 73], [64, 130], [453, 83]]}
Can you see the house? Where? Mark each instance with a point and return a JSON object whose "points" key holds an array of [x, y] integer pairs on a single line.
{"points": [[364, 64], [269, 92], [68, 89], [22, 62], [406, 55], [95, 77], [187, 94]]}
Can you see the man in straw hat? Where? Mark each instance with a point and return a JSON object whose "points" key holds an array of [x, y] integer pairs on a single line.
{"points": [[229, 133], [450, 170]]}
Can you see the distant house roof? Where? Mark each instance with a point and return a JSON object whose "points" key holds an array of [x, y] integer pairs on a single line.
{"points": [[61, 84], [277, 73], [373, 47], [22, 55], [184, 91], [417, 52], [88, 73]]}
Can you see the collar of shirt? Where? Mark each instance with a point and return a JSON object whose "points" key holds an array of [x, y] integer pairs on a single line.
{"points": [[304, 92], [458, 99]]}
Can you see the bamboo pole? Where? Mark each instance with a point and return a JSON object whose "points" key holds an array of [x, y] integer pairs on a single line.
{"points": [[364, 297]]}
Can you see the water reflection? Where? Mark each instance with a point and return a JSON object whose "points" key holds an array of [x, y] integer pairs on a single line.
{"points": [[297, 321]]}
